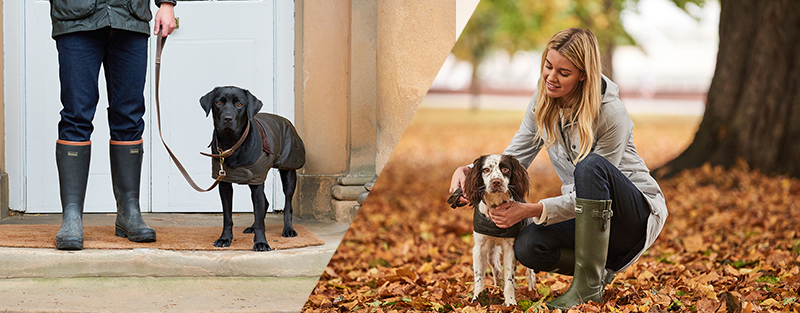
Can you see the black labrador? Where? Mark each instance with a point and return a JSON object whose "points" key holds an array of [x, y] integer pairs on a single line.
{"points": [[270, 142]]}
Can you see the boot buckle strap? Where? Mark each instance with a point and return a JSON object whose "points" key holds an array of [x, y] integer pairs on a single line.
{"points": [[605, 215]]}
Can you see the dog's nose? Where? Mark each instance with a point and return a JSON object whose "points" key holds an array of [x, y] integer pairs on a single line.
{"points": [[496, 182], [227, 119]]}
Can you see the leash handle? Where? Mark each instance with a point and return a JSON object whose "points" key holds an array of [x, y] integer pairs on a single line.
{"points": [[160, 42]]}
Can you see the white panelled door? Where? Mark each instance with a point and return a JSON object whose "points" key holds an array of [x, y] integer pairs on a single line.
{"points": [[244, 43]]}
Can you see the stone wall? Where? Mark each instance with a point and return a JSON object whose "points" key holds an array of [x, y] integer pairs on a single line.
{"points": [[362, 69]]}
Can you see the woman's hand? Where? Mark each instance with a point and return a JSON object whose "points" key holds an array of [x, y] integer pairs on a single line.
{"points": [[510, 213], [459, 176], [165, 19]]}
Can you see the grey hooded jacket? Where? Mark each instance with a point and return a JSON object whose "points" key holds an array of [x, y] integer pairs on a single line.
{"points": [[69, 16], [613, 131]]}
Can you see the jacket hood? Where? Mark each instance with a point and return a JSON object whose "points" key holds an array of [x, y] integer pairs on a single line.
{"points": [[611, 90]]}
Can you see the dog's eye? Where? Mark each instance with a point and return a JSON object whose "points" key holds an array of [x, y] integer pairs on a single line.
{"points": [[504, 170], [218, 102], [239, 104], [486, 170]]}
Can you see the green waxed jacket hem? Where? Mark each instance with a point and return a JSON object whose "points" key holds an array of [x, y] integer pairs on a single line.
{"points": [[88, 15]]}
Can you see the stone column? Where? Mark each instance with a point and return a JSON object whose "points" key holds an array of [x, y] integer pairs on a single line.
{"points": [[362, 68], [414, 39], [322, 73], [363, 110]]}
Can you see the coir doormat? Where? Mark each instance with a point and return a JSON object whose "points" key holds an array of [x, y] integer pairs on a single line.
{"points": [[167, 238]]}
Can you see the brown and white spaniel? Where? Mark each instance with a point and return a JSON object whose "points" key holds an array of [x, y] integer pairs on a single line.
{"points": [[493, 180]]}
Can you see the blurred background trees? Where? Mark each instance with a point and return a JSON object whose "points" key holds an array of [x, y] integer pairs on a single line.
{"points": [[754, 95], [509, 25], [519, 25]]}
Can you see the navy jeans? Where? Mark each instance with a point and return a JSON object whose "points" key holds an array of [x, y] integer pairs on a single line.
{"points": [[123, 55], [538, 247]]}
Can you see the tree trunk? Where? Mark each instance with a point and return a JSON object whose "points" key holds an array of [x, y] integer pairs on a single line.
{"points": [[753, 106], [607, 44], [607, 58], [475, 87]]}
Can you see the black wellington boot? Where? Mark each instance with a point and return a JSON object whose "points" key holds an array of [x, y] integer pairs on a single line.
{"points": [[126, 172], [592, 229], [72, 160]]}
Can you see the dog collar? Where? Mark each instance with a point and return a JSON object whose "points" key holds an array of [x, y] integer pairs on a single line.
{"points": [[226, 153]]}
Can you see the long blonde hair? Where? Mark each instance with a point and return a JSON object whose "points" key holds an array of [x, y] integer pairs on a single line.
{"points": [[579, 46]]}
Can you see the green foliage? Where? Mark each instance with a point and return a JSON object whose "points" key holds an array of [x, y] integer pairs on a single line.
{"points": [[684, 5], [379, 261], [524, 304], [514, 25], [769, 279], [510, 25], [742, 263]]}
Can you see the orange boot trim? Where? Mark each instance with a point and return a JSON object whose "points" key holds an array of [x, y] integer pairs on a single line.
{"points": [[74, 143], [126, 143]]}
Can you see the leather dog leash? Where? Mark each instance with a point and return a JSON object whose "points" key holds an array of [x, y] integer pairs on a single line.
{"points": [[161, 41]]}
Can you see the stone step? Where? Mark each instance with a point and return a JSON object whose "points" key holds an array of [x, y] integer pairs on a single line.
{"points": [[155, 294], [151, 280]]}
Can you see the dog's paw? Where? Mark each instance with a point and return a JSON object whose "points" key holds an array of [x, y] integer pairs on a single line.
{"points": [[249, 230], [289, 232], [261, 246], [510, 302], [474, 299], [222, 243]]}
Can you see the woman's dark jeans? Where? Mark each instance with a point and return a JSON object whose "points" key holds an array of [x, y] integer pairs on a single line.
{"points": [[123, 55], [538, 247]]}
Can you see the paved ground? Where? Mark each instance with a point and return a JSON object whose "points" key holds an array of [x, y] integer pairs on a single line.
{"points": [[150, 294], [152, 280]]}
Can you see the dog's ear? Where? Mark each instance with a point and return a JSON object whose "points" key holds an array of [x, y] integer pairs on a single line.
{"points": [[254, 105], [472, 184], [519, 180], [207, 100]]}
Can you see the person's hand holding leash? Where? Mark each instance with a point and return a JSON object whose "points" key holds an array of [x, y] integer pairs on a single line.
{"points": [[165, 19], [459, 176], [505, 218]]}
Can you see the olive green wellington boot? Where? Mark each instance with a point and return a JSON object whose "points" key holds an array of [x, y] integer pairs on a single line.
{"points": [[72, 161], [592, 228], [126, 172], [566, 266]]}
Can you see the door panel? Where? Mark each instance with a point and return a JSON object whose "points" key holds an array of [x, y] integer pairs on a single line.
{"points": [[242, 43], [210, 48]]}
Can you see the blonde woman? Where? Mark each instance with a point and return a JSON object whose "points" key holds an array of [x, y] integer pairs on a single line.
{"points": [[611, 209]]}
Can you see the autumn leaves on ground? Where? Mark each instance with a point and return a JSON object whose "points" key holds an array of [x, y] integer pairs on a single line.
{"points": [[731, 241]]}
